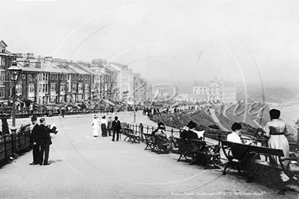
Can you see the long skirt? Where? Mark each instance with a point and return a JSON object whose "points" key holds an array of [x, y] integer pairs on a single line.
{"points": [[95, 131], [279, 142], [103, 130]]}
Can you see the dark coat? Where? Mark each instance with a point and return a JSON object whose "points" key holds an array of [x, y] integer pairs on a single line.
{"points": [[188, 135], [116, 125], [109, 124], [45, 135], [36, 135]]}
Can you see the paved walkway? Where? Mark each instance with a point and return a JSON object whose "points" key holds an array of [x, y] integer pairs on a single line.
{"points": [[86, 167]]}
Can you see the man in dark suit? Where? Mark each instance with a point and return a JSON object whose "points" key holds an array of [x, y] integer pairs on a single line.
{"points": [[116, 127], [45, 142], [189, 134], [35, 139]]}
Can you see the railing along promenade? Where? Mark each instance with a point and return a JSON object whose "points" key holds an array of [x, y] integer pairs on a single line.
{"points": [[13, 145]]}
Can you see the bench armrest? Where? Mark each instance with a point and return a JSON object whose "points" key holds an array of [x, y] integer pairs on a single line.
{"points": [[293, 158]]}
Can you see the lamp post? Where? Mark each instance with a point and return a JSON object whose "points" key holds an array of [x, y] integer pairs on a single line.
{"points": [[14, 72], [134, 112]]}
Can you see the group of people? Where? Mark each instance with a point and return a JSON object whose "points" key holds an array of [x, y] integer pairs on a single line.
{"points": [[275, 131], [40, 139], [162, 141], [105, 127]]}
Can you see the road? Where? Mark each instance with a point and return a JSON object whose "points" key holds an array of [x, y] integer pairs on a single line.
{"points": [[82, 166]]}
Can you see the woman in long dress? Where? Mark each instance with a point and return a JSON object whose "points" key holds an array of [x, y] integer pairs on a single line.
{"points": [[96, 126], [277, 131], [103, 127]]}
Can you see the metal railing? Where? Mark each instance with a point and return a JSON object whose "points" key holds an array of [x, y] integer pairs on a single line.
{"points": [[12, 145]]}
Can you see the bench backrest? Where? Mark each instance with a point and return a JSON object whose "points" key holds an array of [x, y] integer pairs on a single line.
{"points": [[240, 149], [267, 151], [127, 130]]}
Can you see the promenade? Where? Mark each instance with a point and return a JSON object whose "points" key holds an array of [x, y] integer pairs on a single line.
{"points": [[82, 166]]}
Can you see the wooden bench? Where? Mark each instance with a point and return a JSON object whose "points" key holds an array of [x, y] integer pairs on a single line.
{"points": [[256, 162], [130, 136], [235, 154], [189, 148], [149, 140], [161, 144]]}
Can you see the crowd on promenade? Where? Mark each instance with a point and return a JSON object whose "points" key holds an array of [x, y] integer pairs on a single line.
{"points": [[106, 128], [275, 132]]}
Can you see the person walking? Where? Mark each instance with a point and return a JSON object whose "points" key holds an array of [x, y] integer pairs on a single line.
{"points": [[96, 126], [45, 142], [116, 127], [35, 139], [109, 125], [103, 127]]}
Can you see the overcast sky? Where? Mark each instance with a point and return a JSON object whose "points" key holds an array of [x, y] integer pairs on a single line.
{"points": [[239, 40]]}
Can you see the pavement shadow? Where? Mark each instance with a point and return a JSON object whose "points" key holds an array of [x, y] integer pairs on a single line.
{"points": [[54, 161]]}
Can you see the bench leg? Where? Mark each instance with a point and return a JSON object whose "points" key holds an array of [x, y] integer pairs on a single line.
{"points": [[227, 165], [179, 157]]}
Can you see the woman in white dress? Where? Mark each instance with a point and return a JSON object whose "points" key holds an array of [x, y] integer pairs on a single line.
{"points": [[277, 131], [96, 126]]}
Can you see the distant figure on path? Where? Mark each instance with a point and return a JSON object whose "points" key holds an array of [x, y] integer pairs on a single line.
{"points": [[116, 127], [109, 126], [96, 126], [104, 127], [35, 139]]}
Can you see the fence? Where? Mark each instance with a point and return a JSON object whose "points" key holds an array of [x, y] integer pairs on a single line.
{"points": [[14, 144]]}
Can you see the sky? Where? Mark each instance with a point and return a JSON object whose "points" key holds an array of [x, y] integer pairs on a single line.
{"points": [[168, 40]]}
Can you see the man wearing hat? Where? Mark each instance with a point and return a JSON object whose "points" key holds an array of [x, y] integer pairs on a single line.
{"points": [[189, 134], [116, 127], [35, 139], [45, 142]]}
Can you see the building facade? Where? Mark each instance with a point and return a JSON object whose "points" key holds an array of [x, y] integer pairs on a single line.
{"points": [[47, 80], [215, 91]]}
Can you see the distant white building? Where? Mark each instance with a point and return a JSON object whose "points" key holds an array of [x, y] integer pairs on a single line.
{"points": [[181, 97], [196, 98], [215, 91]]}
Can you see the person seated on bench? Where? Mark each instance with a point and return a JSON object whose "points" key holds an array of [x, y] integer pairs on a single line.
{"points": [[277, 131], [189, 133], [234, 136]]}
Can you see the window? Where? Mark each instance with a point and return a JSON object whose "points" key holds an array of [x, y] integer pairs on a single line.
{"points": [[2, 76], [38, 64], [80, 87], [2, 61], [74, 87], [53, 87], [40, 88], [87, 87], [62, 87], [45, 89], [40, 76], [31, 88], [1, 92]]}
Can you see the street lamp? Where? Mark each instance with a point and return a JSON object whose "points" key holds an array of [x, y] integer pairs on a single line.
{"points": [[134, 113], [14, 72]]}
